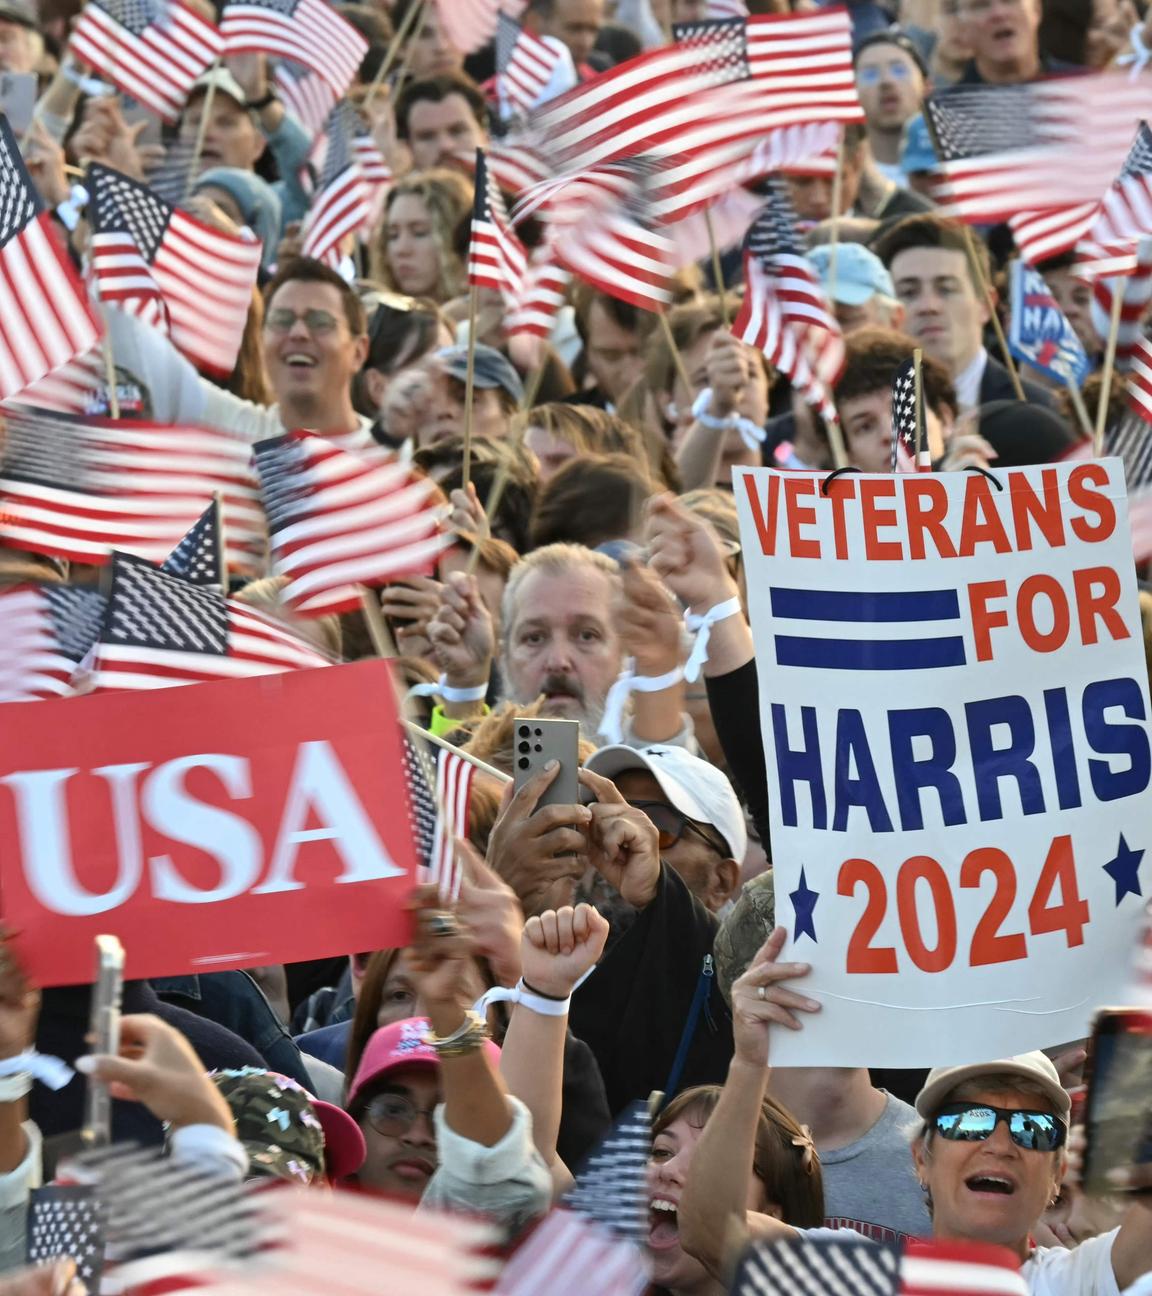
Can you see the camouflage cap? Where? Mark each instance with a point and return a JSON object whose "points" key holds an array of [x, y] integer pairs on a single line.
{"points": [[747, 926], [276, 1122]]}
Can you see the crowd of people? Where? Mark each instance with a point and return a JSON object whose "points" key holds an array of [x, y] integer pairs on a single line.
{"points": [[475, 1070]]}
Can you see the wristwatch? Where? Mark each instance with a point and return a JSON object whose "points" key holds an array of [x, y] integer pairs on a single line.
{"points": [[269, 96]]}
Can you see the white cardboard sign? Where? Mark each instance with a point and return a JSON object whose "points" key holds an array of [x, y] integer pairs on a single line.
{"points": [[955, 714]]}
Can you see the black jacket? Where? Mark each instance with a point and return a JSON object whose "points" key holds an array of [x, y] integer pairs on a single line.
{"points": [[996, 384]]}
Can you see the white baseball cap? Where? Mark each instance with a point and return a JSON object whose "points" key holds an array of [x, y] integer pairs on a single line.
{"points": [[692, 786], [1034, 1067]]}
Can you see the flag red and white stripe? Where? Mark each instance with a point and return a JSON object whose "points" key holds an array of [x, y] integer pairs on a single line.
{"points": [[496, 257], [533, 313], [153, 50], [34, 664], [77, 489], [1140, 380], [1135, 292], [305, 94], [45, 317], [172, 270], [311, 32], [468, 24], [525, 65], [342, 203], [340, 521], [71, 389], [562, 1251], [453, 798], [620, 257]]}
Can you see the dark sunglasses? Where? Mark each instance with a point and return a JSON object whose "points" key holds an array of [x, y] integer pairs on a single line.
{"points": [[1035, 1131], [672, 825]]}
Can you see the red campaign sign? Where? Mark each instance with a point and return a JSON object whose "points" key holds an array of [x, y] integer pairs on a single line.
{"points": [[212, 826]]}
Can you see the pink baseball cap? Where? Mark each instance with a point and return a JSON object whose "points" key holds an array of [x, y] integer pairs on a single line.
{"points": [[401, 1045]]}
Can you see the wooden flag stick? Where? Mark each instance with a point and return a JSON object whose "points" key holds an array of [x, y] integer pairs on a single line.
{"points": [[677, 358], [1076, 396], [918, 398], [378, 631], [470, 383], [412, 17], [109, 369], [504, 470], [221, 540], [1108, 370], [717, 271], [416, 732], [990, 297], [836, 441], [834, 239], [202, 128]]}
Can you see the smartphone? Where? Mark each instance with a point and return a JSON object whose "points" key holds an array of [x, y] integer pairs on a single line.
{"points": [[134, 112], [535, 742], [18, 91], [1118, 1107], [104, 1027]]}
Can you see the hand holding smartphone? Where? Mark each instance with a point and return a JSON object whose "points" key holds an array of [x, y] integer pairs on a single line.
{"points": [[104, 1027], [535, 742], [1118, 1109]]}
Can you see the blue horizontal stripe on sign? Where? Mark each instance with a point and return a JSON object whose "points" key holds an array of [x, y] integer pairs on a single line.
{"points": [[869, 654], [849, 605]]}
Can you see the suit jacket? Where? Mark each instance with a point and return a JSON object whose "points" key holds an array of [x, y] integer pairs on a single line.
{"points": [[996, 385]]}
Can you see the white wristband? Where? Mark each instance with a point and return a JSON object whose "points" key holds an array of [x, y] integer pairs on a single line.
{"points": [[449, 694], [752, 434], [442, 689], [612, 722], [701, 623], [700, 413], [520, 994], [31, 1065], [15, 1086]]}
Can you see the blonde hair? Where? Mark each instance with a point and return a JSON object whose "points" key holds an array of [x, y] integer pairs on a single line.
{"points": [[266, 594], [448, 198]]}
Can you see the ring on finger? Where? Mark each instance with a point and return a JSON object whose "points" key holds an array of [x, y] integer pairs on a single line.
{"points": [[442, 922], [761, 992]]}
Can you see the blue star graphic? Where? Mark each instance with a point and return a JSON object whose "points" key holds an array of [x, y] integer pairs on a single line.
{"points": [[1124, 870], [803, 902]]}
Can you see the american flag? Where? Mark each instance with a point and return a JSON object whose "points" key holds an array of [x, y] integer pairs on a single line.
{"points": [[78, 488], [340, 521], [533, 314], [160, 631], [305, 94], [1125, 215], [158, 262], [612, 1184], [1131, 441], [524, 65], [496, 257], [785, 312], [64, 1221], [199, 557], [726, 9], [566, 1253], [601, 231], [311, 32], [1049, 148], [47, 632], [75, 388], [341, 203], [1140, 380], [515, 166], [46, 317], [904, 418], [468, 24], [353, 1235], [856, 1267], [439, 814], [153, 50], [1135, 291]]}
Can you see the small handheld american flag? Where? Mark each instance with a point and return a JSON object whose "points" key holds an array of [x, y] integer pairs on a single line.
{"points": [[311, 32], [47, 630], [340, 204], [524, 65], [199, 557], [64, 1221], [153, 50], [612, 1184], [172, 270], [907, 418], [340, 521], [496, 257], [47, 318], [438, 815]]}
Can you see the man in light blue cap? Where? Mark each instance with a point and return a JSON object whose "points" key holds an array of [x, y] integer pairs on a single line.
{"points": [[862, 295]]}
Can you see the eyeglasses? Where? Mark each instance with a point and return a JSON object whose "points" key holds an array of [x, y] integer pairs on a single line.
{"points": [[394, 1114], [965, 1122], [672, 825], [317, 322]]}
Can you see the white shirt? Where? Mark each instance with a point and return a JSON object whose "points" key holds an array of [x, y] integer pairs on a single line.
{"points": [[967, 381]]}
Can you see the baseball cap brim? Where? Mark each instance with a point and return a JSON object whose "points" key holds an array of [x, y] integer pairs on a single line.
{"points": [[849, 293], [944, 1080], [344, 1147], [617, 759]]}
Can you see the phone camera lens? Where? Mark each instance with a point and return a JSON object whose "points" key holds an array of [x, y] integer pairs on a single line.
{"points": [[539, 733], [539, 748], [525, 747], [523, 762], [524, 731]]}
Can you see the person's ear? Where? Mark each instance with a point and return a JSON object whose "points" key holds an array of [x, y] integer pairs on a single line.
{"points": [[920, 1160], [360, 350], [375, 385], [725, 882]]}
